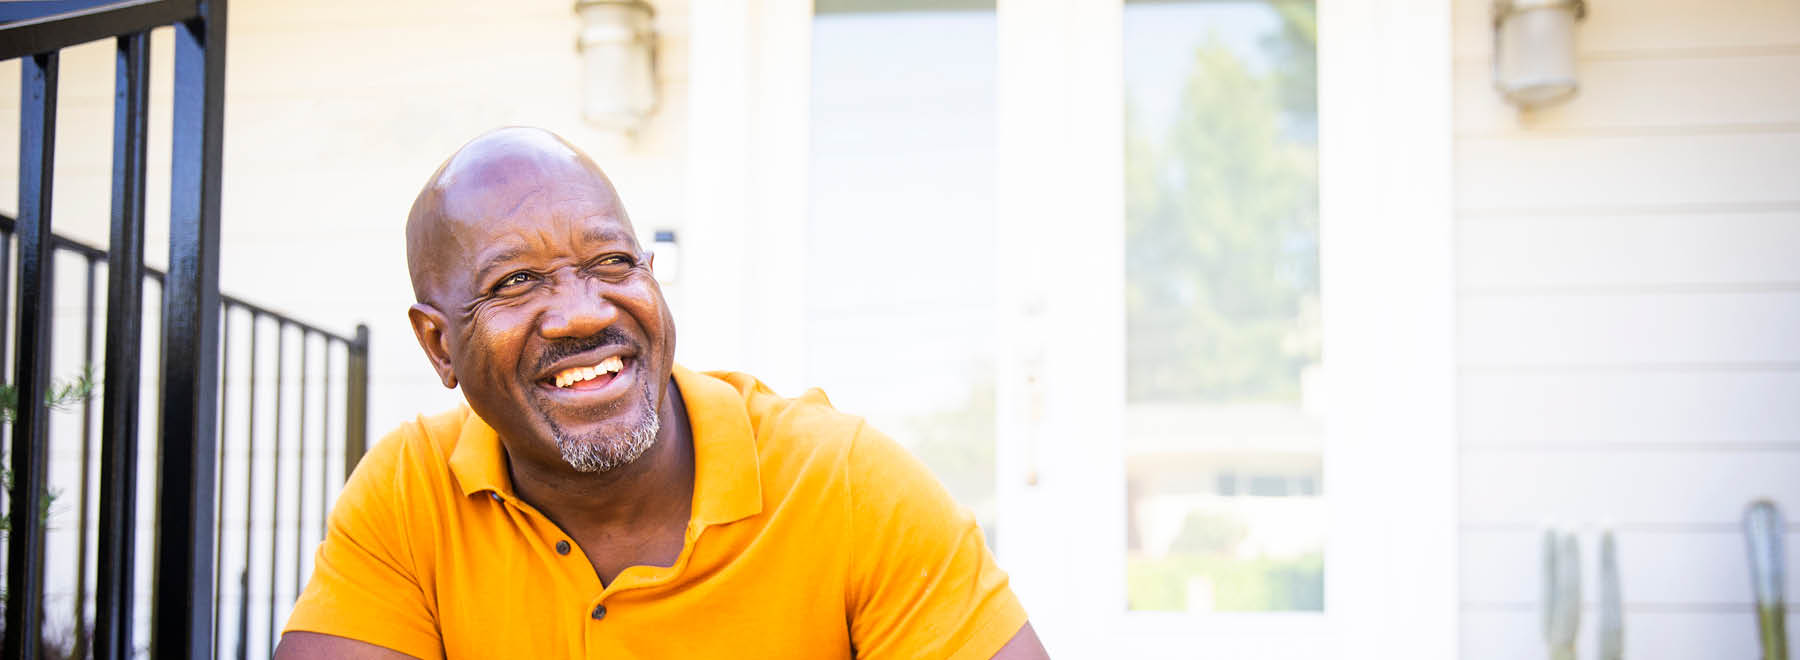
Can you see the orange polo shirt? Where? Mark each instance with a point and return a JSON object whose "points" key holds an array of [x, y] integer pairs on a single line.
{"points": [[812, 536]]}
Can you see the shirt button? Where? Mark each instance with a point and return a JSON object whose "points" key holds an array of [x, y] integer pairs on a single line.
{"points": [[562, 548], [599, 612], [496, 496]]}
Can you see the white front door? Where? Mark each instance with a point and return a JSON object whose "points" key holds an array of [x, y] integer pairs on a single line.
{"points": [[1161, 289]]}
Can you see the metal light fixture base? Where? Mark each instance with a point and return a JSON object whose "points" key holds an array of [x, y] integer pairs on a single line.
{"points": [[1534, 50], [618, 61]]}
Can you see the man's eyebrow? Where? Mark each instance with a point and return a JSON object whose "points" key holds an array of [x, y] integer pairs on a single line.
{"points": [[605, 235], [495, 261]]}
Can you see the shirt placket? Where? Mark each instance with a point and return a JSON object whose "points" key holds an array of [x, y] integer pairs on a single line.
{"points": [[567, 561]]}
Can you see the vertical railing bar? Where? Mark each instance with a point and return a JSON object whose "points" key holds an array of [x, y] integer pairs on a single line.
{"points": [[249, 493], [243, 642], [116, 576], [325, 444], [219, 505], [87, 447], [275, 480], [158, 440], [189, 438], [25, 538], [356, 400], [6, 247], [300, 467]]}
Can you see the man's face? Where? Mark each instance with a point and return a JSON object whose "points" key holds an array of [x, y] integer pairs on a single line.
{"points": [[556, 328]]}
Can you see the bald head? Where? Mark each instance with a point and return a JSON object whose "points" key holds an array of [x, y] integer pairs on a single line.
{"points": [[496, 176]]}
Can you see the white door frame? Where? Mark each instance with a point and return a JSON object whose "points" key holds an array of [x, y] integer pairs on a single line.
{"points": [[1388, 321], [1387, 289]]}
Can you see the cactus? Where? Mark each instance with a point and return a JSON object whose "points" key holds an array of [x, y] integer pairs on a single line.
{"points": [[1562, 593], [1612, 617], [1763, 529]]}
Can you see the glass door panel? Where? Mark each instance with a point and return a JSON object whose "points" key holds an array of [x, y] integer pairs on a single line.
{"points": [[1223, 461]]}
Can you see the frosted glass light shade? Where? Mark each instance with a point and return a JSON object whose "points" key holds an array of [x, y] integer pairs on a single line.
{"points": [[618, 61], [1534, 50]]}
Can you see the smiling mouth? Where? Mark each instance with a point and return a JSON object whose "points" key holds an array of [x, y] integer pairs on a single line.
{"points": [[588, 377]]}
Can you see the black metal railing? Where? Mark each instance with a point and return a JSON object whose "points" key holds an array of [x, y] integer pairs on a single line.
{"points": [[194, 325], [293, 386]]}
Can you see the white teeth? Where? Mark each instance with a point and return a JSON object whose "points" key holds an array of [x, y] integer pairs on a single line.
{"points": [[574, 375]]}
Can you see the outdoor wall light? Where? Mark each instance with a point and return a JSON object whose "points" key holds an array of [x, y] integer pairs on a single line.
{"points": [[618, 61], [668, 256], [1534, 50]]}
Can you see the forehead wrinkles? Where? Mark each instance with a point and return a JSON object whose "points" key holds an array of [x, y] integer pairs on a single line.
{"points": [[516, 199], [535, 233], [538, 223], [508, 181]]}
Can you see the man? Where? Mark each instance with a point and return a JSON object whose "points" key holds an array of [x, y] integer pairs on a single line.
{"points": [[594, 499]]}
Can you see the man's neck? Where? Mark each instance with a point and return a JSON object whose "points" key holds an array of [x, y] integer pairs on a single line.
{"points": [[646, 493]]}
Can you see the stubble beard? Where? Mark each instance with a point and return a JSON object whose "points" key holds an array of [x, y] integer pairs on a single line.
{"points": [[601, 451]]}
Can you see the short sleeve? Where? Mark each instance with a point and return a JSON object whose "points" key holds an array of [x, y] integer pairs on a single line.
{"points": [[364, 585], [923, 583]]}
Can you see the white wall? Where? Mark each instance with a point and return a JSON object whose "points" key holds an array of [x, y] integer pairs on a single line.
{"points": [[1629, 302]]}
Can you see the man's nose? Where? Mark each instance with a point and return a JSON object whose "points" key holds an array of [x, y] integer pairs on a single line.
{"points": [[577, 308]]}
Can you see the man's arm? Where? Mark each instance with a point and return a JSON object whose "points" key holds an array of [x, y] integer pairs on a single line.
{"points": [[300, 645], [1024, 645], [364, 585], [922, 583]]}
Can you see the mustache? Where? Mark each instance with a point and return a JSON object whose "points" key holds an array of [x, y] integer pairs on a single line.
{"points": [[567, 346]]}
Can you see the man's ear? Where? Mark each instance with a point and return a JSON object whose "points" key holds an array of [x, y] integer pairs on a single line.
{"points": [[429, 326]]}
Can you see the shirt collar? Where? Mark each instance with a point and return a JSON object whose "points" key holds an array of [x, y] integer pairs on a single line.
{"points": [[727, 474], [727, 470], [478, 462]]}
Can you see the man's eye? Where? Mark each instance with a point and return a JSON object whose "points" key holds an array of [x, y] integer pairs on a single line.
{"points": [[513, 280], [615, 262]]}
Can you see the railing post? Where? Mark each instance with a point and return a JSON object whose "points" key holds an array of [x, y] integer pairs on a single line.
{"points": [[87, 447], [250, 488], [116, 572], [25, 539], [356, 400], [275, 473], [190, 439]]}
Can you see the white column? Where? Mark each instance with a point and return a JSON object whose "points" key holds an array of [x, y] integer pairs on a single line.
{"points": [[781, 152], [1388, 317], [742, 298], [1060, 203], [712, 308]]}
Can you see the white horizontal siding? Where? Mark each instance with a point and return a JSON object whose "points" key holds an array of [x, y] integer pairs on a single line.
{"points": [[1677, 488], [1517, 633], [1657, 569], [1563, 409], [1622, 27], [1624, 251], [1628, 300], [1601, 172], [1652, 328], [1727, 92]]}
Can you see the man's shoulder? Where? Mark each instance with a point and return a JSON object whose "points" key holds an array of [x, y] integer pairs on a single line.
{"points": [[434, 433], [787, 424], [419, 447], [807, 435]]}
